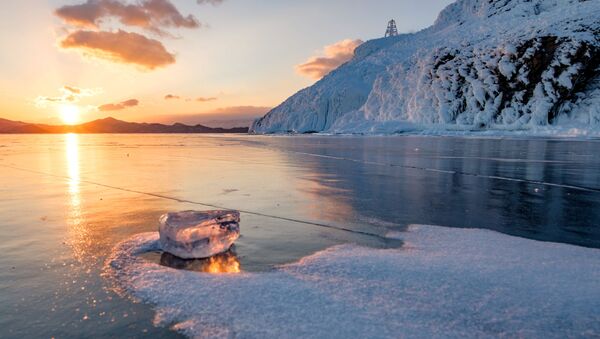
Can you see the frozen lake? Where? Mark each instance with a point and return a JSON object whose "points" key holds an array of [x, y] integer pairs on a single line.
{"points": [[69, 199]]}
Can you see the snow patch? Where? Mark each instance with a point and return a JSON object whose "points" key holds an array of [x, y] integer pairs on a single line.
{"points": [[449, 282]]}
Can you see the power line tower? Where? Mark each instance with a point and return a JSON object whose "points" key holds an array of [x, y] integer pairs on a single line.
{"points": [[391, 29]]}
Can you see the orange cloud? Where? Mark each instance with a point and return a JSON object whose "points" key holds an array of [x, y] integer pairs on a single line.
{"points": [[147, 14], [120, 46], [199, 99], [69, 94], [203, 99], [333, 56], [72, 89], [248, 110], [119, 106]]}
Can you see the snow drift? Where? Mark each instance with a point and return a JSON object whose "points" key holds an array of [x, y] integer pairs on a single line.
{"points": [[506, 64], [445, 282]]}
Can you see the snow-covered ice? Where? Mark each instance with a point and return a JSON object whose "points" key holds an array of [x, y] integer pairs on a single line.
{"points": [[192, 234], [484, 65], [444, 282]]}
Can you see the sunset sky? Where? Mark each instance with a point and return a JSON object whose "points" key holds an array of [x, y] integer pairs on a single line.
{"points": [[70, 61]]}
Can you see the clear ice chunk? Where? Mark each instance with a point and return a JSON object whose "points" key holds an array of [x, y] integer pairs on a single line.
{"points": [[194, 235]]}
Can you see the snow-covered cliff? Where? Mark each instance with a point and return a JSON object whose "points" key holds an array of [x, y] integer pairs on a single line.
{"points": [[484, 64]]}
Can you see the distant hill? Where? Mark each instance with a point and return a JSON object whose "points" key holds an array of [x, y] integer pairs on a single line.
{"points": [[109, 125]]}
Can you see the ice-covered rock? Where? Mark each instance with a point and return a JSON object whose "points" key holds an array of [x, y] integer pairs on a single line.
{"points": [[192, 234], [506, 64]]}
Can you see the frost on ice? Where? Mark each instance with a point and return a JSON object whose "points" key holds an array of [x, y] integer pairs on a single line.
{"points": [[444, 283], [509, 65], [192, 234]]}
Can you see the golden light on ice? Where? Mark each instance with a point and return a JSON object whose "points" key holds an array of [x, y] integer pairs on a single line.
{"points": [[223, 264], [72, 152], [69, 114], [79, 235]]}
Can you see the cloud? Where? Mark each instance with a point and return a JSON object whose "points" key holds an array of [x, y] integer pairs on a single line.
{"points": [[119, 106], [199, 99], [212, 2], [90, 17], [73, 90], [69, 94], [152, 15], [243, 110], [236, 116], [120, 46], [203, 99], [333, 56]]}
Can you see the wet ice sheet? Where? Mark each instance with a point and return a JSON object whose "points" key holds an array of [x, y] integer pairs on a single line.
{"points": [[443, 282], [73, 197]]}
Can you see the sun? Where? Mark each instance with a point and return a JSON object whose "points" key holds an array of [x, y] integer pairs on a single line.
{"points": [[69, 114]]}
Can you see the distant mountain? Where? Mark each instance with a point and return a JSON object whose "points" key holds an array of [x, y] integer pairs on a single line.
{"points": [[109, 125], [8, 126]]}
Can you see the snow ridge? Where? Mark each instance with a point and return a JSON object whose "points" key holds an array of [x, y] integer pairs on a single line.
{"points": [[483, 65], [444, 282]]}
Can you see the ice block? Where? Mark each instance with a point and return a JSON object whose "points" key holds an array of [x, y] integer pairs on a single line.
{"points": [[194, 235]]}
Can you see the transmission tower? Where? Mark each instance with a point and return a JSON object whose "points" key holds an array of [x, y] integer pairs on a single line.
{"points": [[391, 29]]}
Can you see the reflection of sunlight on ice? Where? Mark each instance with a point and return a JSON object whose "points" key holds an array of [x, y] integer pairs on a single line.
{"points": [[324, 201], [227, 262], [72, 149], [223, 264], [79, 237]]}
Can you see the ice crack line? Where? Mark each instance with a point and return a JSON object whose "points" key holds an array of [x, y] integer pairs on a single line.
{"points": [[435, 170], [162, 196], [495, 177]]}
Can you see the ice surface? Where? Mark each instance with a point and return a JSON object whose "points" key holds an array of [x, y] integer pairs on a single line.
{"points": [[192, 234], [484, 65], [445, 282]]}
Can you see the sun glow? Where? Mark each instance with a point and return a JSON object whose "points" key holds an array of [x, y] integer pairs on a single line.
{"points": [[69, 114]]}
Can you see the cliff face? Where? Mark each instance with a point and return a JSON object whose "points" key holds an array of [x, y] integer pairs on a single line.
{"points": [[502, 64]]}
